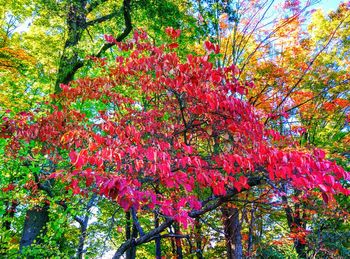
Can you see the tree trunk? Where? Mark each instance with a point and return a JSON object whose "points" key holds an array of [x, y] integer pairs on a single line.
{"points": [[34, 225], [10, 212], [178, 242], [83, 229], [300, 249], [69, 62], [130, 234], [295, 223], [232, 229], [198, 236], [251, 230], [128, 231], [84, 225], [158, 239], [77, 23], [133, 247]]}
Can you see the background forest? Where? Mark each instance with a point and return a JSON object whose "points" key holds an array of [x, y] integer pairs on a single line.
{"points": [[174, 129]]}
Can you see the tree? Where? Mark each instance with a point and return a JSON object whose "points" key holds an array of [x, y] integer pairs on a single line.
{"points": [[155, 134], [257, 214]]}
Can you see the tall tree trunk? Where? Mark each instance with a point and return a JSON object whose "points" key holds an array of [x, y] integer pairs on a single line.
{"points": [[133, 247], [84, 225], [251, 230], [83, 229], [300, 223], [198, 236], [295, 223], [130, 234], [10, 212], [300, 248], [158, 239], [34, 225], [77, 23], [178, 242], [233, 236], [36, 219], [128, 231], [69, 62]]}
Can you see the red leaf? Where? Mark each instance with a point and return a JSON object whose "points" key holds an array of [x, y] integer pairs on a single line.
{"points": [[109, 39], [173, 45], [330, 179], [75, 186], [238, 186], [244, 182], [171, 32], [219, 188], [323, 187], [216, 77], [125, 204], [187, 148], [9, 187], [319, 153]]}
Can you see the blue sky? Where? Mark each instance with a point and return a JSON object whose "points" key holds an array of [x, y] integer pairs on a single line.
{"points": [[328, 5]]}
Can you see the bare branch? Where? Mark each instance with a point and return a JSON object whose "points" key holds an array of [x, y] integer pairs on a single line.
{"points": [[261, 43], [309, 66], [239, 51]]}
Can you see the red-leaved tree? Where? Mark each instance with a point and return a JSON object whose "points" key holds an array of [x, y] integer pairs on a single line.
{"points": [[172, 137]]}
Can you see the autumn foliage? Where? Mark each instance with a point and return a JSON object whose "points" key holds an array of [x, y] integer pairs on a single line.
{"points": [[168, 134]]}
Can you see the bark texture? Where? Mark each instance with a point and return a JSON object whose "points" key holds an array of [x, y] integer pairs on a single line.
{"points": [[233, 236], [34, 225]]}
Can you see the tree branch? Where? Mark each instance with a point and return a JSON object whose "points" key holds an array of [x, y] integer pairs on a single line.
{"points": [[308, 67], [101, 19], [253, 181], [151, 235], [95, 4], [127, 29], [144, 239], [211, 226], [136, 222]]}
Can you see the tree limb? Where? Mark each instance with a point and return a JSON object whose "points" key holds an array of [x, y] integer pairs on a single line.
{"points": [[95, 4], [151, 235], [308, 67], [127, 29], [136, 222], [144, 239], [101, 19], [253, 181]]}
